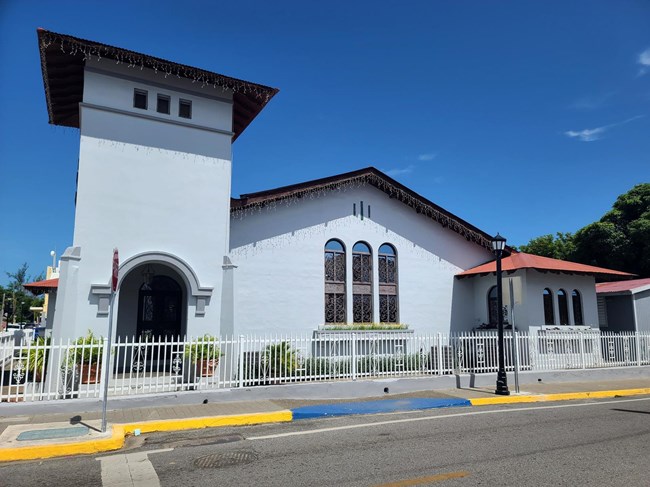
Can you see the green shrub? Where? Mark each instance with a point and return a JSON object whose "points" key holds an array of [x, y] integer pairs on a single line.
{"points": [[35, 358], [203, 348], [88, 349], [365, 326], [280, 360]]}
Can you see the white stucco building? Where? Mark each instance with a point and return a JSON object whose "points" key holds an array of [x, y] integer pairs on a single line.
{"points": [[154, 181]]}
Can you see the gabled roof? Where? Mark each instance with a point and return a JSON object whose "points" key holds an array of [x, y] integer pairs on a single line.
{"points": [[372, 177], [63, 59], [623, 287], [42, 286], [522, 260]]}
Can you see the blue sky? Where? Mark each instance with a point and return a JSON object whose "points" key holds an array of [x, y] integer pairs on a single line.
{"points": [[524, 118]]}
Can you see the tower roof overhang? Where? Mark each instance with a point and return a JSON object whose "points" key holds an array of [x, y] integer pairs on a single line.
{"points": [[63, 59]]}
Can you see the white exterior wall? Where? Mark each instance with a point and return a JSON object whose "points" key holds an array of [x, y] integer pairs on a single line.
{"points": [[528, 286], [537, 281], [481, 288], [148, 182], [641, 302], [279, 281]]}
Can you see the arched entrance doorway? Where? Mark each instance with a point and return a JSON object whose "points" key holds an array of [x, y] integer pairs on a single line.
{"points": [[152, 304], [160, 305]]}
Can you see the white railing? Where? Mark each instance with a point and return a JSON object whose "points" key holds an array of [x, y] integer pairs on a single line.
{"points": [[40, 370]]}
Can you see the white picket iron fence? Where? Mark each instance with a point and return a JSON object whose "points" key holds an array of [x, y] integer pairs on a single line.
{"points": [[37, 370]]}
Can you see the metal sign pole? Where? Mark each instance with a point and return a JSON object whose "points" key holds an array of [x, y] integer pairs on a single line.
{"points": [[107, 349], [515, 345]]}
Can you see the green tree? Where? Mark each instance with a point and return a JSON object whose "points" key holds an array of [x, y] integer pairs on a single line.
{"points": [[619, 240], [17, 299], [559, 247]]}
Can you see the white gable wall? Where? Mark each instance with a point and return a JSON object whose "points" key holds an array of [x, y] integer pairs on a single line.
{"points": [[279, 282]]}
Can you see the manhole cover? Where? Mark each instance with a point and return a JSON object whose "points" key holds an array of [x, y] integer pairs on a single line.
{"points": [[217, 460]]}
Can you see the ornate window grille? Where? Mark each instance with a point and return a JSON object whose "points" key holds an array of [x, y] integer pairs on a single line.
{"points": [[549, 316], [493, 306], [577, 308], [388, 301], [563, 307], [335, 282], [361, 283]]}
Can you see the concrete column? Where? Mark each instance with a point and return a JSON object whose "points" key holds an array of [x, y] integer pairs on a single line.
{"points": [[227, 319]]}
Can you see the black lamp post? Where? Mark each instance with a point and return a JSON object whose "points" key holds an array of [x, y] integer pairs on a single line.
{"points": [[498, 244]]}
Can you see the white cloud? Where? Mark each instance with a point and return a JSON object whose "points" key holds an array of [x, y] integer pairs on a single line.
{"points": [[644, 57], [644, 61], [427, 157], [399, 171], [589, 135], [586, 135]]}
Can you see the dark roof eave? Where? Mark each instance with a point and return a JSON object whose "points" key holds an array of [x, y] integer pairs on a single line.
{"points": [[381, 181], [62, 64]]}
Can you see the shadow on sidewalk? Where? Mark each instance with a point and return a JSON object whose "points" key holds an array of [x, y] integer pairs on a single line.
{"points": [[74, 420]]}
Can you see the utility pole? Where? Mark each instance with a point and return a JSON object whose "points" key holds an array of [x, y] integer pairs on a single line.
{"points": [[2, 310]]}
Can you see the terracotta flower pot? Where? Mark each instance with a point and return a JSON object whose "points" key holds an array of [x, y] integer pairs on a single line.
{"points": [[89, 374], [207, 366]]}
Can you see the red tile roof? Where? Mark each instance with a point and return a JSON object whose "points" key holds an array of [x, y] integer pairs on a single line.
{"points": [[522, 260], [42, 286], [632, 286]]}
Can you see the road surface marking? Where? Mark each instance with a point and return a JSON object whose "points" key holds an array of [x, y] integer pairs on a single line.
{"points": [[444, 416], [132, 470], [425, 480]]}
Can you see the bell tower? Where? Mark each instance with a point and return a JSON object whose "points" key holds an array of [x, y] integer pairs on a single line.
{"points": [[153, 179]]}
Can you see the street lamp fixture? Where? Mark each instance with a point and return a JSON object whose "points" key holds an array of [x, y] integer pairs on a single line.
{"points": [[498, 244]]}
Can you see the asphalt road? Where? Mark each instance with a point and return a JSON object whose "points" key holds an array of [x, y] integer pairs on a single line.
{"points": [[595, 443]]}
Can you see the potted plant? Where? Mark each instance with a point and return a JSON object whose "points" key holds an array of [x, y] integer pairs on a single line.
{"points": [[280, 362], [204, 353], [88, 355], [35, 358]]}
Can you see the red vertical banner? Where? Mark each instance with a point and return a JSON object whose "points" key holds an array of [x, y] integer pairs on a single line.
{"points": [[116, 267]]}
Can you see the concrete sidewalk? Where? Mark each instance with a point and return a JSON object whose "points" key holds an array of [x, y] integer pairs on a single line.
{"points": [[75, 428]]}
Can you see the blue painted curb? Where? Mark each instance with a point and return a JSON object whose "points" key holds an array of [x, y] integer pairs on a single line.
{"points": [[372, 407]]}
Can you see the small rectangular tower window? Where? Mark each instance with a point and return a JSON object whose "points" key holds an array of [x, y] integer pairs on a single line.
{"points": [[163, 104], [140, 99], [185, 108]]}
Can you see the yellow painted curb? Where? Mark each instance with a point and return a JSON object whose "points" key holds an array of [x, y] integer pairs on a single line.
{"points": [[120, 431], [564, 396], [115, 442], [209, 422]]}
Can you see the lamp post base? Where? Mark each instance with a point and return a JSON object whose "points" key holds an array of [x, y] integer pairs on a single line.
{"points": [[502, 384]]}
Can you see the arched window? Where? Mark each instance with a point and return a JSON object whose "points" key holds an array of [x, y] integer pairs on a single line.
{"points": [[334, 282], [493, 306], [388, 302], [563, 306], [361, 283], [577, 308], [549, 317]]}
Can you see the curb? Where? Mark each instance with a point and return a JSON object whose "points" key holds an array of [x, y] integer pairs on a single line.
{"points": [[565, 396], [375, 407], [121, 431]]}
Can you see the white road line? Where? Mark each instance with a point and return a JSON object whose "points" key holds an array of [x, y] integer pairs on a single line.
{"points": [[132, 470], [444, 416]]}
